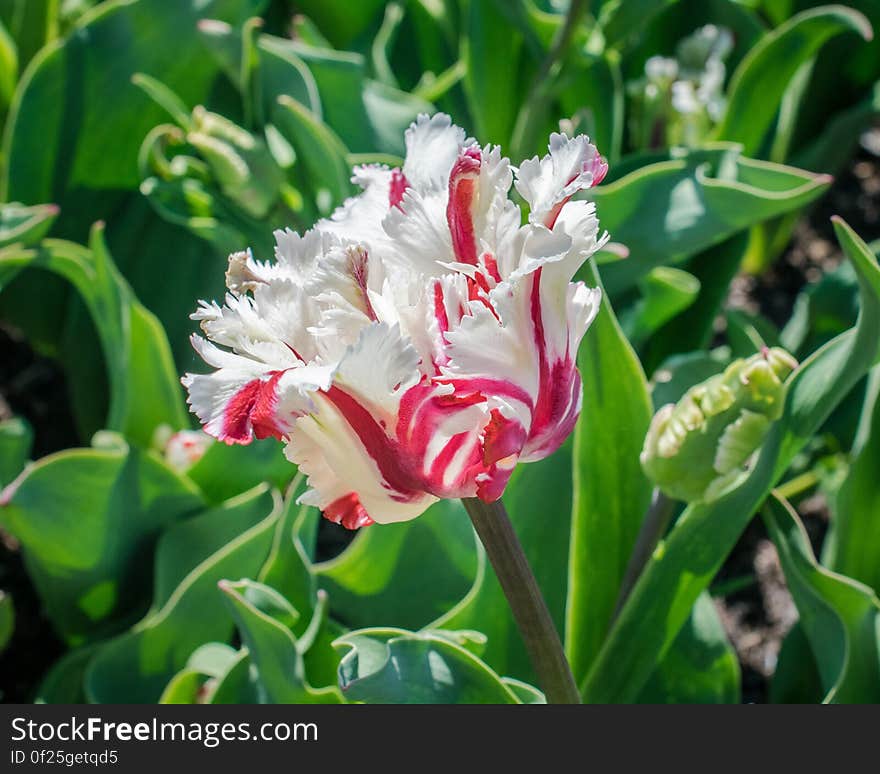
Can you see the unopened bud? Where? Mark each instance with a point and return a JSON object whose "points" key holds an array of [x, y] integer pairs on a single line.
{"points": [[695, 448]]}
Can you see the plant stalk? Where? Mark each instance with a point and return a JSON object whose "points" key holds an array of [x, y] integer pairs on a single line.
{"points": [[529, 609], [656, 521]]}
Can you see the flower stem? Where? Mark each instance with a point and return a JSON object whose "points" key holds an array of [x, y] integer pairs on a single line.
{"points": [[542, 642], [656, 521]]}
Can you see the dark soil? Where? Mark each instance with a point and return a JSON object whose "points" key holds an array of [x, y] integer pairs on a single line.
{"points": [[756, 609]]}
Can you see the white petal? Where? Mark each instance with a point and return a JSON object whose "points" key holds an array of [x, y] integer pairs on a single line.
{"points": [[432, 146]]}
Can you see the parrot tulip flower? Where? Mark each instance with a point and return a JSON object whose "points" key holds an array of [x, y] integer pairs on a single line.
{"points": [[420, 342]]}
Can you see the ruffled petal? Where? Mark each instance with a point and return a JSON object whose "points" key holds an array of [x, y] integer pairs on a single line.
{"points": [[570, 166]]}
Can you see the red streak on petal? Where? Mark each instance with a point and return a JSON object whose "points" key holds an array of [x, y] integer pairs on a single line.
{"points": [[358, 267], [491, 266], [385, 452], [397, 188], [348, 511], [463, 191], [252, 411], [440, 308], [556, 406]]}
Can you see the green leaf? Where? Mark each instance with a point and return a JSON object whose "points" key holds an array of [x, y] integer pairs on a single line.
{"points": [[136, 666], [834, 146], [796, 679], [714, 269], [840, 616], [145, 391], [393, 666], [288, 568], [491, 49], [701, 667], [622, 20], [539, 502], [403, 574], [7, 619], [667, 211], [27, 225], [225, 471], [592, 93], [367, 116], [319, 150], [854, 541], [757, 87], [16, 438], [684, 563], [611, 493], [341, 22], [204, 670], [274, 650], [88, 520], [240, 683], [665, 292]]}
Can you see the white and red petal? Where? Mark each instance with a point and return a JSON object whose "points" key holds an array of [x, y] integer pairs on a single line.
{"points": [[547, 183]]}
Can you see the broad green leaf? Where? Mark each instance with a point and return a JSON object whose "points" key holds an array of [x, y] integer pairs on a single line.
{"points": [[393, 666], [685, 562], [700, 667], [403, 574], [288, 568], [16, 438], [539, 502], [491, 49], [7, 619], [840, 616], [144, 387], [341, 22], [225, 471], [714, 268], [854, 541], [198, 680], [667, 211], [592, 94], [274, 651], [318, 149], [757, 87], [136, 666], [621, 20], [796, 678], [184, 688], [88, 520], [240, 683], [367, 116], [834, 146], [278, 70], [665, 292], [611, 494]]}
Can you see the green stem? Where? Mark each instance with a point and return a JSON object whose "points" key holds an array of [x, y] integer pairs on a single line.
{"points": [[529, 610], [531, 113], [653, 528]]}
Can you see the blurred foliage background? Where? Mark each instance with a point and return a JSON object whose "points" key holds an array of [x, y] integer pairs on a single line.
{"points": [[145, 140]]}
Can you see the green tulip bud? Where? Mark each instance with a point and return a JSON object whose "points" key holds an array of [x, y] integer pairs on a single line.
{"points": [[697, 447], [240, 161]]}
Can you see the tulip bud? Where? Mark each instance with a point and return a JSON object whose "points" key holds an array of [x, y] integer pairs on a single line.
{"points": [[241, 162], [695, 448]]}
